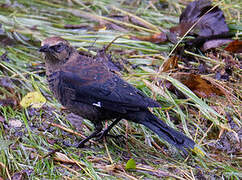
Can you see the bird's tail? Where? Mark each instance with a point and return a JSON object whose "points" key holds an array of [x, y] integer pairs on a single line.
{"points": [[167, 133]]}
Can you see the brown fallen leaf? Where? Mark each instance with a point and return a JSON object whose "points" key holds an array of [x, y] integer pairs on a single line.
{"points": [[170, 64], [155, 38], [180, 30], [199, 86], [212, 21], [215, 43], [235, 46], [203, 20]]}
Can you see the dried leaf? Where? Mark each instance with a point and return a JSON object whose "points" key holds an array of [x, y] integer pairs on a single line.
{"points": [[212, 20], [170, 64], [34, 99], [215, 43], [201, 87], [155, 38], [131, 164], [179, 30], [235, 47]]}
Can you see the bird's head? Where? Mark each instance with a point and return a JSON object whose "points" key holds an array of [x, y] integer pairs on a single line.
{"points": [[56, 49]]}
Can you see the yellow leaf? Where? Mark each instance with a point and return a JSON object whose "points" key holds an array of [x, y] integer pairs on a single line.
{"points": [[34, 99], [131, 164]]}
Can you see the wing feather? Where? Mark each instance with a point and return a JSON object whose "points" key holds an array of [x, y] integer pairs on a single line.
{"points": [[105, 90]]}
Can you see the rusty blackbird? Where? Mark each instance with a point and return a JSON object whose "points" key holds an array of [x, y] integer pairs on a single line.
{"points": [[86, 86]]}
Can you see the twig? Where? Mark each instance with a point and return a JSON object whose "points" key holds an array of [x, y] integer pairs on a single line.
{"points": [[69, 130]]}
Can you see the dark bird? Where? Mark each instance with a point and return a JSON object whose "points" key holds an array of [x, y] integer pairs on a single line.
{"points": [[88, 87]]}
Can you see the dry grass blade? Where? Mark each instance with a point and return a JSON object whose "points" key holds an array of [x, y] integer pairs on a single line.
{"points": [[4, 168], [70, 131], [147, 24]]}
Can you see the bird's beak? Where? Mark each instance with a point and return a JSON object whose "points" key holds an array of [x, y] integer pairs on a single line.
{"points": [[44, 48]]}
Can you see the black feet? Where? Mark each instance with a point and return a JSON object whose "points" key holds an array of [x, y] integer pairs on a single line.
{"points": [[99, 137], [102, 134], [98, 129], [98, 133]]}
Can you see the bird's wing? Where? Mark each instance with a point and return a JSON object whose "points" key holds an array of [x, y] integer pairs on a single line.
{"points": [[94, 84]]}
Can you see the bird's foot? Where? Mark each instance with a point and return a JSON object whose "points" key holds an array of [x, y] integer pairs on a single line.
{"points": [[93, 135], [81, 144], [101, 135], [104, 134]]}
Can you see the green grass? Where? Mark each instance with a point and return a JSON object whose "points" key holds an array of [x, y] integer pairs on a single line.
{"points": [[25, 150]]}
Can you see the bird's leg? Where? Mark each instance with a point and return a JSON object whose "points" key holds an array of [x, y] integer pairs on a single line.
{"points": [[105, 131], [98, 129]]}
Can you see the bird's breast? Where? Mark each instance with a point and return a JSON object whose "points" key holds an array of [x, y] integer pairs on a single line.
{"points": [[53, 82]]}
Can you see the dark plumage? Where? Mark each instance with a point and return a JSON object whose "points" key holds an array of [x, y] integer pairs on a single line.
{"points": [[88, 87]]}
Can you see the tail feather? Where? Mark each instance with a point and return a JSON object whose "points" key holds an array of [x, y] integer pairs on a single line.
{"points": [[178, 139]]}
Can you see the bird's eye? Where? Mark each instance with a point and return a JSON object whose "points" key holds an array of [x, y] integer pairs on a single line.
{"points": [[59, 47]]}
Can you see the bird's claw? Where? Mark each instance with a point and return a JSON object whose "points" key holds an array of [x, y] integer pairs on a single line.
{"points": [[104, 134], [101, 135], [69, 144], [80, 145]]}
